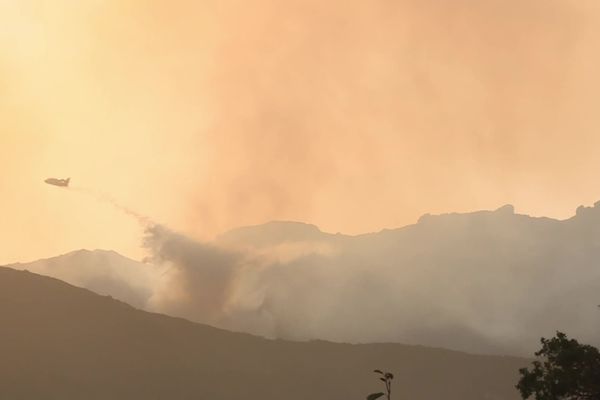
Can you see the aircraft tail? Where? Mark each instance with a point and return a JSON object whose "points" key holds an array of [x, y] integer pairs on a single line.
{"points": [[67, 181]]}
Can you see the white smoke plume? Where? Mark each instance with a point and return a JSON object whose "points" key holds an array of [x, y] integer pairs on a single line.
{"points": [[198, 281], [272, 292]]}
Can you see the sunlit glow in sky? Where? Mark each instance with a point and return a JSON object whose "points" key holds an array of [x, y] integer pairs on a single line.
{"points": [[352, 115]]}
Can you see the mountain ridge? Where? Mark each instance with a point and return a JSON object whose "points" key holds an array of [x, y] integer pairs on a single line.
{"points": [[490, 282], [504, 210]]}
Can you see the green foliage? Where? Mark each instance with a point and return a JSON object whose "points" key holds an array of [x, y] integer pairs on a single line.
{"points": [[374, 396], [567, 370], [386, 378]]}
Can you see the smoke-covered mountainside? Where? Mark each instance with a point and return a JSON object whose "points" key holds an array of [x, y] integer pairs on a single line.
{"points": [[104, 272], [63, 342], [487, 282]]}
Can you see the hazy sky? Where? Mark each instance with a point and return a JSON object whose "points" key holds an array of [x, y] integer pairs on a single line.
{"points": [[352, 115]]}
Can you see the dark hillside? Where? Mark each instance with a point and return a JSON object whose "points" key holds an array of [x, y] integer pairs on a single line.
{"points": [[61, 342]]}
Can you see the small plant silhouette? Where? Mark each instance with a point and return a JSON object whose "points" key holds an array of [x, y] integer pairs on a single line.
{"points": [[386, 378]]}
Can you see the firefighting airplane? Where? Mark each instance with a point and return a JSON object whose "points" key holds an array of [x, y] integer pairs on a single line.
{"points": [[58, 182]]}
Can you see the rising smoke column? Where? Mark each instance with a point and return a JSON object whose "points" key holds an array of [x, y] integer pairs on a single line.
{"points": [[195, 278], [199, 278]]}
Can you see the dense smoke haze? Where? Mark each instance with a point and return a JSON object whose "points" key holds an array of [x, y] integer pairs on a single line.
{"points": [[353, 116], [388, 123], [487, 282], [491, 282]]}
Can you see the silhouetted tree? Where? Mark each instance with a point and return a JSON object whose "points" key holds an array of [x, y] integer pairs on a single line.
{"points": [[567, 370], [386, 378]]}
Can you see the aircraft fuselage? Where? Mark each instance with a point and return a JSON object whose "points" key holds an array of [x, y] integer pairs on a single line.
{"points": [[58, 182]]}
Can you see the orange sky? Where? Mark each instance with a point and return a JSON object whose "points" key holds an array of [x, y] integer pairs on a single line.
{"points": [[352, 115]]}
